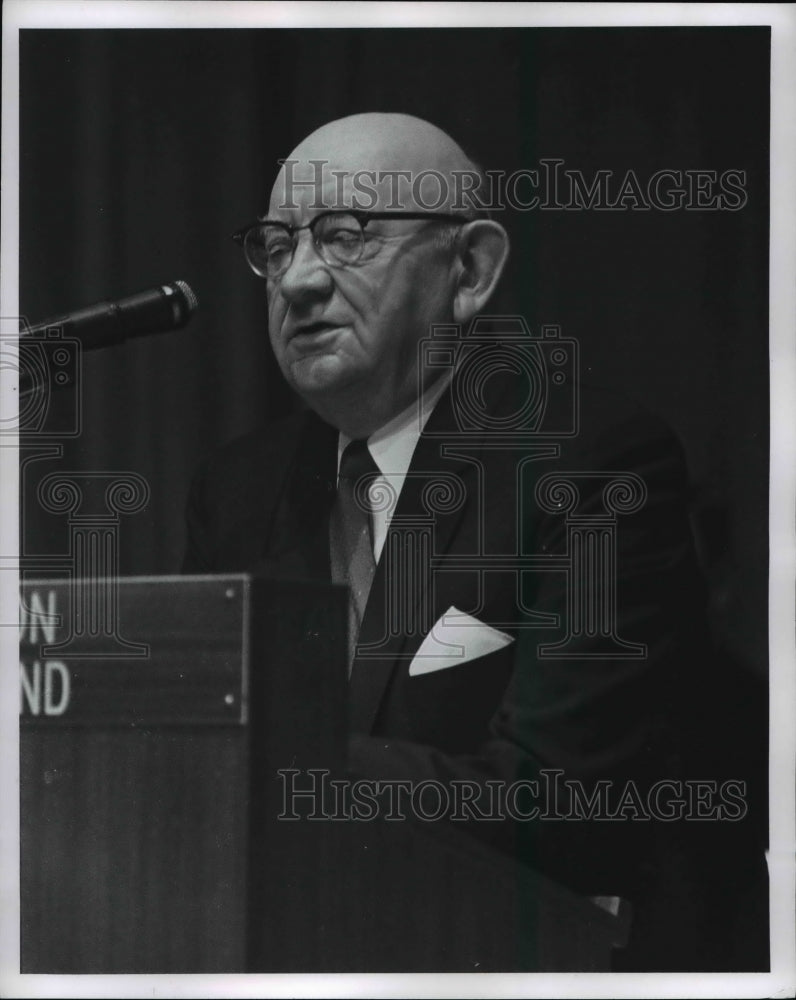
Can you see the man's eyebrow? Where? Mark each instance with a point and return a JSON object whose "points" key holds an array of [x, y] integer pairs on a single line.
{"points": [[274, 217], [293, 220]]}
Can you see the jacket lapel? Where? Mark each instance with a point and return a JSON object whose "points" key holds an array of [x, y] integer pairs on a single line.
{"points": [[437, 494]]}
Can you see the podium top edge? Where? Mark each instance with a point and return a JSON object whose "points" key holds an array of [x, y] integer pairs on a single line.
{"points": [[153, 578], [220, 579]]}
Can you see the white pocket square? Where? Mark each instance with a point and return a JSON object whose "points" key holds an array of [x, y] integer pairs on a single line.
{"points": [[456, 638]]}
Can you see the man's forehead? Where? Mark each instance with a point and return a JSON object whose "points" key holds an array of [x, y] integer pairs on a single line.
{"points": [[387, 160]]}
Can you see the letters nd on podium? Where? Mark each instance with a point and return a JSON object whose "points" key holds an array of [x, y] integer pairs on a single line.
{"points": [[154, 723]]}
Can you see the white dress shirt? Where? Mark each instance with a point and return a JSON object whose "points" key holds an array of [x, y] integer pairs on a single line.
{"points": [[391, 448]]}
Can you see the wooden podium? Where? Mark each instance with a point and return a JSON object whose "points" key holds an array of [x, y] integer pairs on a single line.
{"points": [[159, 719]]}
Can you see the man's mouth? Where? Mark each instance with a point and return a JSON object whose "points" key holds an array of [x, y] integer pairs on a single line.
{"points": [[313, 329]]}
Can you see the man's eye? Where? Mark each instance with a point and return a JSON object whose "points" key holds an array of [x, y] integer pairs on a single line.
{"points": [[274, 246], [342, 237]]}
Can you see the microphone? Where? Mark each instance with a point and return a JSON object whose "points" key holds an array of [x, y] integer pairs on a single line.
{"points": [[153, 311]]}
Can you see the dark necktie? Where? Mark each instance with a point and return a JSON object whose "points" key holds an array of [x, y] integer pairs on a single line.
{"points": [[351, 534]]}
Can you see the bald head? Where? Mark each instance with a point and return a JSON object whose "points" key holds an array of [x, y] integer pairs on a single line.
{"points": [[380, 140], [367, 247], [376, 161]]}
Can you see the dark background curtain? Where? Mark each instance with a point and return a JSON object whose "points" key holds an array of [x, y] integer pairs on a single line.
{"points": [[141, 151]]}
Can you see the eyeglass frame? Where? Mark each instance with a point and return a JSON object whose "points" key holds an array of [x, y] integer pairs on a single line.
{"points": [[362, 217]]}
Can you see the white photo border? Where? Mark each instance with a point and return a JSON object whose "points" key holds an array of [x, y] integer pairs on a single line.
{"points": [[781, 981]]}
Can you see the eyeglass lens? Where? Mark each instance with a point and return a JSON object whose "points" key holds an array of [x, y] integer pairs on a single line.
{"points": [[338, 237]]}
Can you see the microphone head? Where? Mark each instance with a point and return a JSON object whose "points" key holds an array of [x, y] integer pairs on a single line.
{"points": [[190, 295], [183, 301]]}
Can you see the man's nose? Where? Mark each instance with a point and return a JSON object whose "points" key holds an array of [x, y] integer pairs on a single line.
{"points": [[307, 277]]}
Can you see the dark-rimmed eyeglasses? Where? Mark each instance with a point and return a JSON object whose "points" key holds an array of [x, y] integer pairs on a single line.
{"points": [[339, 238]]}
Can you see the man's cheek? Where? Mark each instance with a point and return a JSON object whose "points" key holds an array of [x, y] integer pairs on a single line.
{"points": [[274, 297], [276, 317]]}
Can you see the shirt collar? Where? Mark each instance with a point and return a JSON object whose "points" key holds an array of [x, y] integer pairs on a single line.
{"points": [[393, 445]]}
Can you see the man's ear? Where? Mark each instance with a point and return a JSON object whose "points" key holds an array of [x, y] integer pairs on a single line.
{"points": [[483, 248]]}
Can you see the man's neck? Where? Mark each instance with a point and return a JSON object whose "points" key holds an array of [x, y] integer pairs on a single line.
{"points": [[357, 421]]}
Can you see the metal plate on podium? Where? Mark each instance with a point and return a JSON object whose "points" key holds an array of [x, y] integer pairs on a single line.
{"points": [[134, 652]]}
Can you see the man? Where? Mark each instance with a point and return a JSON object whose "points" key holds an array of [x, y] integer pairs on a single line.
{"points": [[524, 592]]}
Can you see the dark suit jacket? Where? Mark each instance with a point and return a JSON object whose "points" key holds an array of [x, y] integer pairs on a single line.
{"points": [[262, 505]]}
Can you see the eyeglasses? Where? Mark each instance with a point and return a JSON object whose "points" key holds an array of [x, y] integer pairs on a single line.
{"points": [[339, 238]]}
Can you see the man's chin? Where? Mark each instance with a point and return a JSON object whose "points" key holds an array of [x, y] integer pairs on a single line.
{"points": [[319, 374]]}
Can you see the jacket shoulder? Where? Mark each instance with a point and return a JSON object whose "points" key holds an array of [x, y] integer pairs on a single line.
{"points": [[235, 491], [253, 456], [620, 433]]}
